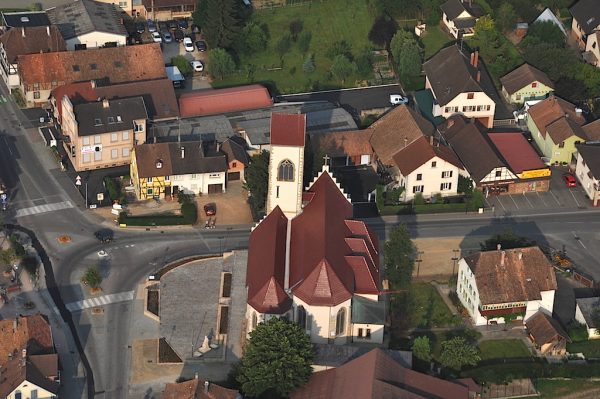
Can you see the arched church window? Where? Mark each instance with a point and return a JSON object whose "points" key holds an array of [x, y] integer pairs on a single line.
{"points": [[285, 172], [301, 317], [340, 324]]}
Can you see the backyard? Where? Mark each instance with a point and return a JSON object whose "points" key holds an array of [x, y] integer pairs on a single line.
{"points": [[590, 349], [503, 349], [327, 22], [560, 388]]}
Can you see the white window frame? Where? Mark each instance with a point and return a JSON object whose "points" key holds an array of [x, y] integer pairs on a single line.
{"points": [[125, 152]]}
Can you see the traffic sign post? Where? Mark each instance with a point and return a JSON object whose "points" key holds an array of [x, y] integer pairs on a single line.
{"points": [[78, 184]]}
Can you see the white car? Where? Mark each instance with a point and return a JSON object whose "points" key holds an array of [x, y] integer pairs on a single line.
{"points": [[188, 44], [397, 99], [197, 66], [156, 37]]}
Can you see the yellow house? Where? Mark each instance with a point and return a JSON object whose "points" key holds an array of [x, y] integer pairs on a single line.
{"points": [[526, 83]]}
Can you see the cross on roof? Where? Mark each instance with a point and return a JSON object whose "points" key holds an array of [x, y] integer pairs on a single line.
{"points": [[326, 159]]}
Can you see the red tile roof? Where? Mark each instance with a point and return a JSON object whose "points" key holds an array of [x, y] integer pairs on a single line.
{"points": [[196, 389], [78, 93], [288, 129], [220, 101], [32, 40], [544, 329], [337, 144], [517, 151], [377, 375], [550, 110], [420, 152], [30, 332]]}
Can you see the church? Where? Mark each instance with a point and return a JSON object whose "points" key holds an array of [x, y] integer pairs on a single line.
{"points": [[308, 260]]}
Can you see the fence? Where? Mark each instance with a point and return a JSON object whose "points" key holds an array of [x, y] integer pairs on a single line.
{"points": [[515, 388], [260, 4]]}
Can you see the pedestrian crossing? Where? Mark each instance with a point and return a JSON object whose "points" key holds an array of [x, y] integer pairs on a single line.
{"points": [[34, 210], [100, 301]]}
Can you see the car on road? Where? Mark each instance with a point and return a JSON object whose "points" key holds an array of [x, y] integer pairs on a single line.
{"points": [[570, 180], [197, 66], [210, 209], [179, 35], [188, 45], [105, 235], [167, 37], [397, 99], [140, 27], [183, 23], [201, 45], [151, 26], [172, 24], [156, 37]]}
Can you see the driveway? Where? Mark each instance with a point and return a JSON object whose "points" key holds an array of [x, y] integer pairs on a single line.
{"points": [[197, 80], [232, 208]]}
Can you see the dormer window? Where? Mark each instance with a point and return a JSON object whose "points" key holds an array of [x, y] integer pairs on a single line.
{"points": [[119, 118], [470, 96], [75, 68], [97, 122], [159, 164], [534, 85], [111, 120]]}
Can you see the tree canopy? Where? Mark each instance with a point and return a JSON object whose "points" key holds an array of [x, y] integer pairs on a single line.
{"points": [[220, 63], [383, 30], [221, 27], [421, 348], [544, 32], [457, 352], [399, 257], [252, 39], [506, 17], [257, 179], [182, 64], [507, 240], [406, 54], [342, 67], [276, 361]]}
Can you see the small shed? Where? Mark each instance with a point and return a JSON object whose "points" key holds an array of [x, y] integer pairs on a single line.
{"points": [[547, 334]]}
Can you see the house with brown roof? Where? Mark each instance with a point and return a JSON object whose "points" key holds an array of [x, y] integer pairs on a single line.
{"points": [[26, 40], [587, 170], [377, 375], [460, 84], [526, 83], [163, 170], [555, 125], [585, 27], [548, 336], [197, 388], [101, 134], [234, 149], [460, 16], [41, 73], [28, 361], [344, 148], [164, 10], [308, 259], [496, 286]]}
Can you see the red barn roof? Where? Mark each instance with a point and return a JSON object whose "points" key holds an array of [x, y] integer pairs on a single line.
{"points": [[517, 151], [288, 129], [220, 101]]}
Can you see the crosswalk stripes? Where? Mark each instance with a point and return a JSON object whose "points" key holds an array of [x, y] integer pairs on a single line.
{"points": [[34, 210], [100, 301]]}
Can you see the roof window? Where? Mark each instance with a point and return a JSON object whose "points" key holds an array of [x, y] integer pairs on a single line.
{"points": [[119, 118], [76, 68], [94, 66], [97, 122], [111, 120], [24, 19], [118, 64]]}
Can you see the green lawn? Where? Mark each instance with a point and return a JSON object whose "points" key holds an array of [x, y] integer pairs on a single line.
{"points": [[428, 309], [328, 22], [434, 40], [551, 389], [503, 349], [590, 349]]}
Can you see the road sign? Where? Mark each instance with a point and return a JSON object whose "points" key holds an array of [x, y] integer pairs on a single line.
{"points": [[78, 180], [100, 196], [3, 197], [93, 206]]}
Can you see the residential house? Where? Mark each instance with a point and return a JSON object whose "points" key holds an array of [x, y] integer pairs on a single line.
{"points": [[377, 375], [548, 336], [102, 134], [496, 286], [586, 21], [548, 16], [425, 167], [163, 170], [24, 19], [308, 260], [585, 313], [592, 49], [526, 83], [234, 149], [28, 361], [41, 73], [587, 170], [89, 24], [221, 101], [26, 40], [164, 10], [460, 16], [197, 388], [555, 125], [460, 84], [343, 148], [125, 6]]}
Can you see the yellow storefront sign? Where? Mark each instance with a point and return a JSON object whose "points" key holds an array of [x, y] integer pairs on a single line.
{"points": [[534, 174]]}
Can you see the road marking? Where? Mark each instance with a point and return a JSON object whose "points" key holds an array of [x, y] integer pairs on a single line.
{"points": [[542, 198], [34, 210], [501, 204], [530, 204], [574, 199], [100, 301], [513, 200]]}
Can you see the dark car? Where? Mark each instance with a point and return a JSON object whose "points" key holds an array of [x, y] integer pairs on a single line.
{"points": [[105, 235], [210, 209], [163, 26], [172, 25], [183, 23], [140, 27], [192, 36], [201, 45], [136, 38], [179, 35]]}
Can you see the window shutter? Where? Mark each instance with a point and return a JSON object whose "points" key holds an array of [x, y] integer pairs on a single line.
{"points": [[309, 320]]}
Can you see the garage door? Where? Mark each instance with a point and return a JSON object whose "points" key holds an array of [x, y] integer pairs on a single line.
{"points": [[215, 188], [233, 176]]}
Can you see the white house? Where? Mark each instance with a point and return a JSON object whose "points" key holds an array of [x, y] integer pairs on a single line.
{"points": [[584, 314], [460, 85], [587, 170], [426, 167], [586, 20], [308, 260], [495, 284], [460, 16], [592, 49], [89, 24]]}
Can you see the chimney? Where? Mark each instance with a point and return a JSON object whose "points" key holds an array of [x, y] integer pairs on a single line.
{"points": [[105, 103], [206, 385], [472, 58], [479, 76], [498, 247], [23, 31], [218, 146], [475, 58], [182, 152], [15, 325], [520, 255], [48, 30], [93, 83], [502, 255], [431, 140], [196, 375]]}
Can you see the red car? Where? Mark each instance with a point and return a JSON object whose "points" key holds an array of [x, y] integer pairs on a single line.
{"points": [[210, 209], [570, 180]]}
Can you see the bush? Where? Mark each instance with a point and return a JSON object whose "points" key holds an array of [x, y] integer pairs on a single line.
{"points": [[419, 200], [92, 277], [379, 200], [30, 264], [114, 189], [182, 64], [167, 219], [184, 198], [17, 246], [503, 372], [578, 333], [189, 213]]}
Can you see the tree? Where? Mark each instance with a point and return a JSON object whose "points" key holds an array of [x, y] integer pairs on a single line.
{"points": [[304, 41], [277, 359], [399, 257], [283, 45], [342, 68], [421, 348], [544, 32], [506, 18], [340, 47], [596, 318], [364, 63], [92, 277], [465, 185], [507, 240], [30, 264], [456, 353], [406, 54], [182, 64], [220, 63], [295, 28], [382, 31], [222, 27], [257, 179], [252, 39], [309, 64], [200, 15]]}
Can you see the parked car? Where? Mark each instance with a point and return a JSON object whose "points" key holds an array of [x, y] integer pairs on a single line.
{"points": [[210, 209], [140, 27], [183, 23], [570, 180], [192, 36], [105, 235], [151, 26], [179, 35], [163, 26], [167, 37], [172, 25], [156, 37], [397, 99], [187, 44], [135, 38], [197, 66], [201, 45]]}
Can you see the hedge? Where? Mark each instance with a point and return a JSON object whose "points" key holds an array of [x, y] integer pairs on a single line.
{"points": [[189, 213], [500, 373], [152, 220], [427, 208]]}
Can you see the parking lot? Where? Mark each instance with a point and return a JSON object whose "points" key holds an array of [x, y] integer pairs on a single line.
{"points": [[559, 197]]}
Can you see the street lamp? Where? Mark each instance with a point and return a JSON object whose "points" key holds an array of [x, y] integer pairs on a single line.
{"points": [[419, 260], [454, 260]]}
